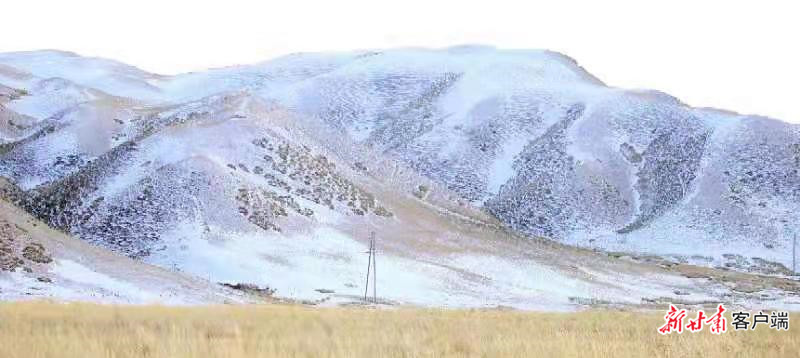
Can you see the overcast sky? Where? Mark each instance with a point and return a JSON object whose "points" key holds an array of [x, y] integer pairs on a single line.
{"points": [[726, 54]]}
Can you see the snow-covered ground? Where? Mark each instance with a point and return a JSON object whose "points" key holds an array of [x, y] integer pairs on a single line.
{"points": [[272, 173]]}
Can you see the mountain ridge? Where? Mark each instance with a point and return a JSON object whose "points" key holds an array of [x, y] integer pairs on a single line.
{"points": [[173, 170]]}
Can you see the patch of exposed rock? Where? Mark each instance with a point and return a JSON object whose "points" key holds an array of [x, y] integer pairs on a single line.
{"points": [[18, 250]]}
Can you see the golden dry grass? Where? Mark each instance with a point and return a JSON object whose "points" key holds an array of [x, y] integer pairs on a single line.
{"points": [[84, 330]]}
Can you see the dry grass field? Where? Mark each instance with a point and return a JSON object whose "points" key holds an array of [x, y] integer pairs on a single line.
{"points": [[85, 330]]}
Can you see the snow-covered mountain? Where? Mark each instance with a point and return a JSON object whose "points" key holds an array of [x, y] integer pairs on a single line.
{"points": [[460, 159]]}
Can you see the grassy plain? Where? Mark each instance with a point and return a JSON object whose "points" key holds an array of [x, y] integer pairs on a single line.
{"points": [[39, 329]]}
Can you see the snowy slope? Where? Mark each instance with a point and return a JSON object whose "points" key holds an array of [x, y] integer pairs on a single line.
{"points": [[46, 264], [551, 151], [25, 69], [275, 173]]}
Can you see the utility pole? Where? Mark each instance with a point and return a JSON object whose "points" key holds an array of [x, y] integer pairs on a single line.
{"points": [[371, 266], [794, 257], [374, 268]]}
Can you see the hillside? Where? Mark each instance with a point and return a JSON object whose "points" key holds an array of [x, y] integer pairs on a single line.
{"points": [[489, 177], [37, 262]]}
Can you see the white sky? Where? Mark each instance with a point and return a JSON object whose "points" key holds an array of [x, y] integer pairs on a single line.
{"points": [[725, 54]]}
